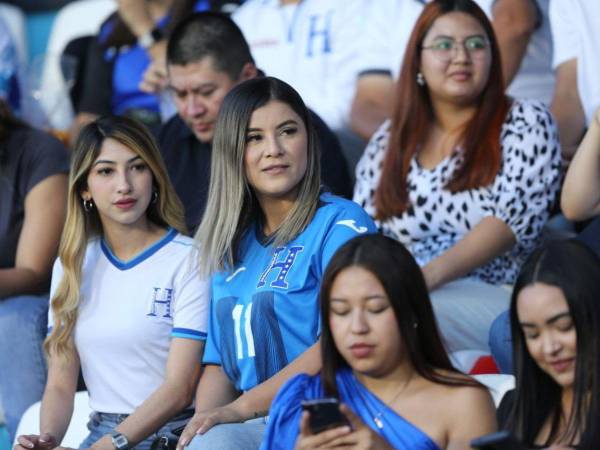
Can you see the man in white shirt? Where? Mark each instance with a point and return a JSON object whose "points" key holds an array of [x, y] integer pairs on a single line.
{"points": [[312, 45], [576, 34]]}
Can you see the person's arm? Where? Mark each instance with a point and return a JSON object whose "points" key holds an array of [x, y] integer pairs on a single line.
{"points": [[372, 103], [488, 239], [172, 396], [45, 209], [567, 108], [57, 403], [217, 390], [514, 22], [472, 415], [581, 189]]}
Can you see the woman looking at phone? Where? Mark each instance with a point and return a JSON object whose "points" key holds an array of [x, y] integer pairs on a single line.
{"points": [[555, 324], [266, 237], [383, 358], [128, 305]]}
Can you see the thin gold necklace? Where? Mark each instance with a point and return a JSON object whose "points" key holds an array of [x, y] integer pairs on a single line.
{"points": [[378, 415]]}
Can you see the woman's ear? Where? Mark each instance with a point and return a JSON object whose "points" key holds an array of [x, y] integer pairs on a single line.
{"points": [[85, 194]]}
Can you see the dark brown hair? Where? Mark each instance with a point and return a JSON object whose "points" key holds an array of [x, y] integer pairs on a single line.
{"points": [[403, 282]]}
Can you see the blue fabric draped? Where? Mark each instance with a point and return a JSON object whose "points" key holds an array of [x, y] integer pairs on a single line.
{"points": [[285, 413]]}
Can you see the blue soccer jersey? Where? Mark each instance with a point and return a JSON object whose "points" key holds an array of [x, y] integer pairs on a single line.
{"points": [[265, 311]]}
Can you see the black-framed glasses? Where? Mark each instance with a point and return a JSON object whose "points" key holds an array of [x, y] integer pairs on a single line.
{"points": [[446, 48]]}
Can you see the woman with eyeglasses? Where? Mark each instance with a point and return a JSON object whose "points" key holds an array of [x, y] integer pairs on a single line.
{"points": [[461, 174]]}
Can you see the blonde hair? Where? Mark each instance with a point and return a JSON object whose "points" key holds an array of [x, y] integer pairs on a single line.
{"points": [[232, 205], [82, 225]]}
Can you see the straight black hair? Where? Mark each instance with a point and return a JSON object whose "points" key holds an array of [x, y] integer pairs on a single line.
{"points": [[572, 267], [403, 282]]}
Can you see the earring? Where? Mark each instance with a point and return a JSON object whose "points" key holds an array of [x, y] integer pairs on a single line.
{"points": [[154, 196], [420, 79], [88, 205]]}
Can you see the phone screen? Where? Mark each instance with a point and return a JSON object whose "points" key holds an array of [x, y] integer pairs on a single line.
{"points": [[501, 440], [324, 414]]}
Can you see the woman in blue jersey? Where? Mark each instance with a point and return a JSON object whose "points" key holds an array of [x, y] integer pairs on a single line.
{"points": [[128, 306], [267, 235], [383, 358]]}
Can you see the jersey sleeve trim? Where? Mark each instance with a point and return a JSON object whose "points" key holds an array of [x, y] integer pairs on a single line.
{"points": [[187, 333]]}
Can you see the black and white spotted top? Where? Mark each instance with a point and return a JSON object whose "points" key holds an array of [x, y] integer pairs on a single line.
{"points": [[521, 195]]}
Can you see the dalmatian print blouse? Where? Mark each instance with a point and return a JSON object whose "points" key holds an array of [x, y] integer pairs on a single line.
{"points": [[521, 195]]}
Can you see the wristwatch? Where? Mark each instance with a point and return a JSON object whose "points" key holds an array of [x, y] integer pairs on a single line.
{"points": [[119, 441], [149, 38]]}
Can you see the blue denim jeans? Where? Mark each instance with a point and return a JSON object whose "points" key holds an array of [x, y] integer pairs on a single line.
{"points": [[101, 424], [232, 436], [23, 326], [500, 341]]}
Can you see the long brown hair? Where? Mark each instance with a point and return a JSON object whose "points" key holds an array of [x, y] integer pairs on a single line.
{"points": [[413, 114]]}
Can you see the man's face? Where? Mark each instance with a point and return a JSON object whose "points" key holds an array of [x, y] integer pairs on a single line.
{"points": [[198, 91]]}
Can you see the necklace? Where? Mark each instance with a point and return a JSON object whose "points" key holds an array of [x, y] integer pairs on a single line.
{"points": [[377, 416]]}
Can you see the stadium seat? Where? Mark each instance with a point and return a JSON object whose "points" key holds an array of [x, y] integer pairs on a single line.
{"points": [[497, 384], [14, 18], [77, 431]]}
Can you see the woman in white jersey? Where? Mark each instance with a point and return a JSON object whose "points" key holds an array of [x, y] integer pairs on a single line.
{"points": [[128, 306]]}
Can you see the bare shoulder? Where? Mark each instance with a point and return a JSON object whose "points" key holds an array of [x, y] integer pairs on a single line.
{"points": [[466, 402]]}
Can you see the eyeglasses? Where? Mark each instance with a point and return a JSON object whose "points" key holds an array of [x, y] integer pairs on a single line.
{"points": [[445, 49]]}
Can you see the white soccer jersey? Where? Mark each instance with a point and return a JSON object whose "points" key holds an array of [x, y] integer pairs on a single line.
{"points": [[311, 45], [576, 33], [128, 313]]}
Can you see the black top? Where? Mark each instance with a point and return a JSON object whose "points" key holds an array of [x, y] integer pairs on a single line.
{"points": [[188, 164], [503, 413], [28, 157]]}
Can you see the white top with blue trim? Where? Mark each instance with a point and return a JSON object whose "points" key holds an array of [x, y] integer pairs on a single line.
{"points": [[128, 313]]}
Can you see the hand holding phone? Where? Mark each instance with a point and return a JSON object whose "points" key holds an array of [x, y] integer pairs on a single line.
{"points": [[324, 414]]}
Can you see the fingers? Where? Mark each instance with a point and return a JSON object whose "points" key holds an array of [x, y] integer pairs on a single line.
{"points": [[304, 424], [154, 79], [355, 421], [188, 434], [207, 424], [26, 441]]}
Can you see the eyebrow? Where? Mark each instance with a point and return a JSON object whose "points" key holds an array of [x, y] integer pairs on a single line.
{"points": [[550, 321], [281, 125], [443, 36], [208, 84], [107, 161], [369, 297]]}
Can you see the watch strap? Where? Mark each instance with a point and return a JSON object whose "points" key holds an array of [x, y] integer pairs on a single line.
{"points": [[149, 38], [119, 440]]}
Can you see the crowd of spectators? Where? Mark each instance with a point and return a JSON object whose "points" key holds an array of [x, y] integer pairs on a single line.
{"points": [[274, 201]]}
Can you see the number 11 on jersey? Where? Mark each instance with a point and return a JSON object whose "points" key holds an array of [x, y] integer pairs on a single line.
{"points": [[237, 313]]}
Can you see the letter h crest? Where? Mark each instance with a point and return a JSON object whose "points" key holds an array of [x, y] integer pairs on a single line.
{"points": [[283, 266], [161, 298]]}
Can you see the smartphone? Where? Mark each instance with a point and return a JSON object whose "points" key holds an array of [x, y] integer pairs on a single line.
{"points": [[501, 440], [324, 414]]}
